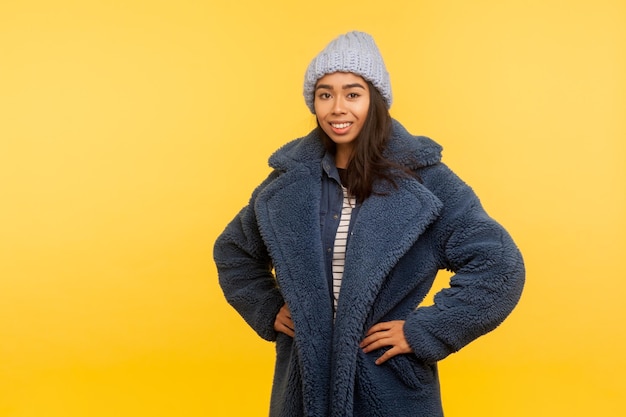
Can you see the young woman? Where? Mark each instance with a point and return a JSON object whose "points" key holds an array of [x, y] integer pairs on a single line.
{"points": [[340, 244]]}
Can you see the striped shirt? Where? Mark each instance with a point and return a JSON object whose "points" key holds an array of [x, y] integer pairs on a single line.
{"points": [[341, 239]]}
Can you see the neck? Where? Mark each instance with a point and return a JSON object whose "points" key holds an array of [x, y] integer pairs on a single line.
{"points": [[342, 156]]}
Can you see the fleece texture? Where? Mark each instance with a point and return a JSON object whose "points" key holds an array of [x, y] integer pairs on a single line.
{"points": [[271, 254]]}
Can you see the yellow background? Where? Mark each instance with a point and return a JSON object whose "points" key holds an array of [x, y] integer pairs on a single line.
{"points": [[132, 132]]}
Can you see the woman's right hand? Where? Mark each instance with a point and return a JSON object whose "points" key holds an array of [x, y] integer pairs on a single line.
{"points": [[283, 322]]}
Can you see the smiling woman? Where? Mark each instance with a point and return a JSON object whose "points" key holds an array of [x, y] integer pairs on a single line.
{"points": [[132, 132], [342, 242]]}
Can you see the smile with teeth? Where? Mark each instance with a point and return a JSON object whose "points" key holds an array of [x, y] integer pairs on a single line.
{"points": [[340, 125]]}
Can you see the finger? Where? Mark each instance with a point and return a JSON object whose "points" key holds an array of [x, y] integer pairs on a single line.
{"points": [[386, 356], [284, 311], [378, 332], [380, 327], [378, 344], [286, 323], [383, 339], [372, 339], [289, 331]]}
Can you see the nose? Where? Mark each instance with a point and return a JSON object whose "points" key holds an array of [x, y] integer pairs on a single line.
{"points": [[339, 106]]}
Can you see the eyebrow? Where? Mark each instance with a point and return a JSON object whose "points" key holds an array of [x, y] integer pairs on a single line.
{"points": [[344, 87]]}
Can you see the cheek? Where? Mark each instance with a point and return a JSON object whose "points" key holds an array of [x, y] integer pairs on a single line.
{"points": [[363, 112], [320, 108], [365, 109]]}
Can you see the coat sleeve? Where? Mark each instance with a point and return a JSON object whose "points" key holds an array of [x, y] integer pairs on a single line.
{"points": [[245, 270], [488, 273]]}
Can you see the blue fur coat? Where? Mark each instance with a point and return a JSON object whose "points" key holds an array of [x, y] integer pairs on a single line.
{"points": [[271, 253]]}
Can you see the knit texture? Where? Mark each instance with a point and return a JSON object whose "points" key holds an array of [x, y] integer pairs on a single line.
{"points": [[354, 52]]}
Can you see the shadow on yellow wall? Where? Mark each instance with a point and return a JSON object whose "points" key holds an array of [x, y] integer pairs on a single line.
{"points": [[130, 134]]}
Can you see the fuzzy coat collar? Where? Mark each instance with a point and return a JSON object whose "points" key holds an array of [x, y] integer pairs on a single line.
{"points": [[403, 148]]}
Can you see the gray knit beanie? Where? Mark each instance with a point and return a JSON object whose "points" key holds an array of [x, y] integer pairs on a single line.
{"points": [[354, 52]]}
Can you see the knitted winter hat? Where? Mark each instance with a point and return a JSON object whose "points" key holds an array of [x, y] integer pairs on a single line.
{"points": [[354, 52]]}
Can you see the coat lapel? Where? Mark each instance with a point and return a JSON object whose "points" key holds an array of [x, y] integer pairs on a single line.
{"points": [[288, 215], [386, 228]]}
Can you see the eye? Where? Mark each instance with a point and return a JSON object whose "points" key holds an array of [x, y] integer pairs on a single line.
{"points": [[353, 95], [323, 96]]}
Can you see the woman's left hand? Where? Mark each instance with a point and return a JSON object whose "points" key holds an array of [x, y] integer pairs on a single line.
{"points": [[390, 333]]}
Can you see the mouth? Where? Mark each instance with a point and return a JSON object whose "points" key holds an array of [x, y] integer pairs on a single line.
{"points": [[341, 128], [341, 125]]}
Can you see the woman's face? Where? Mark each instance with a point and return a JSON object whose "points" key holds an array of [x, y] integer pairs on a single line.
{"points": [[342, 100]]}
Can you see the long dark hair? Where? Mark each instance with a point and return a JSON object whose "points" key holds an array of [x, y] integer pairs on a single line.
{"points": [[368, 163]]}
